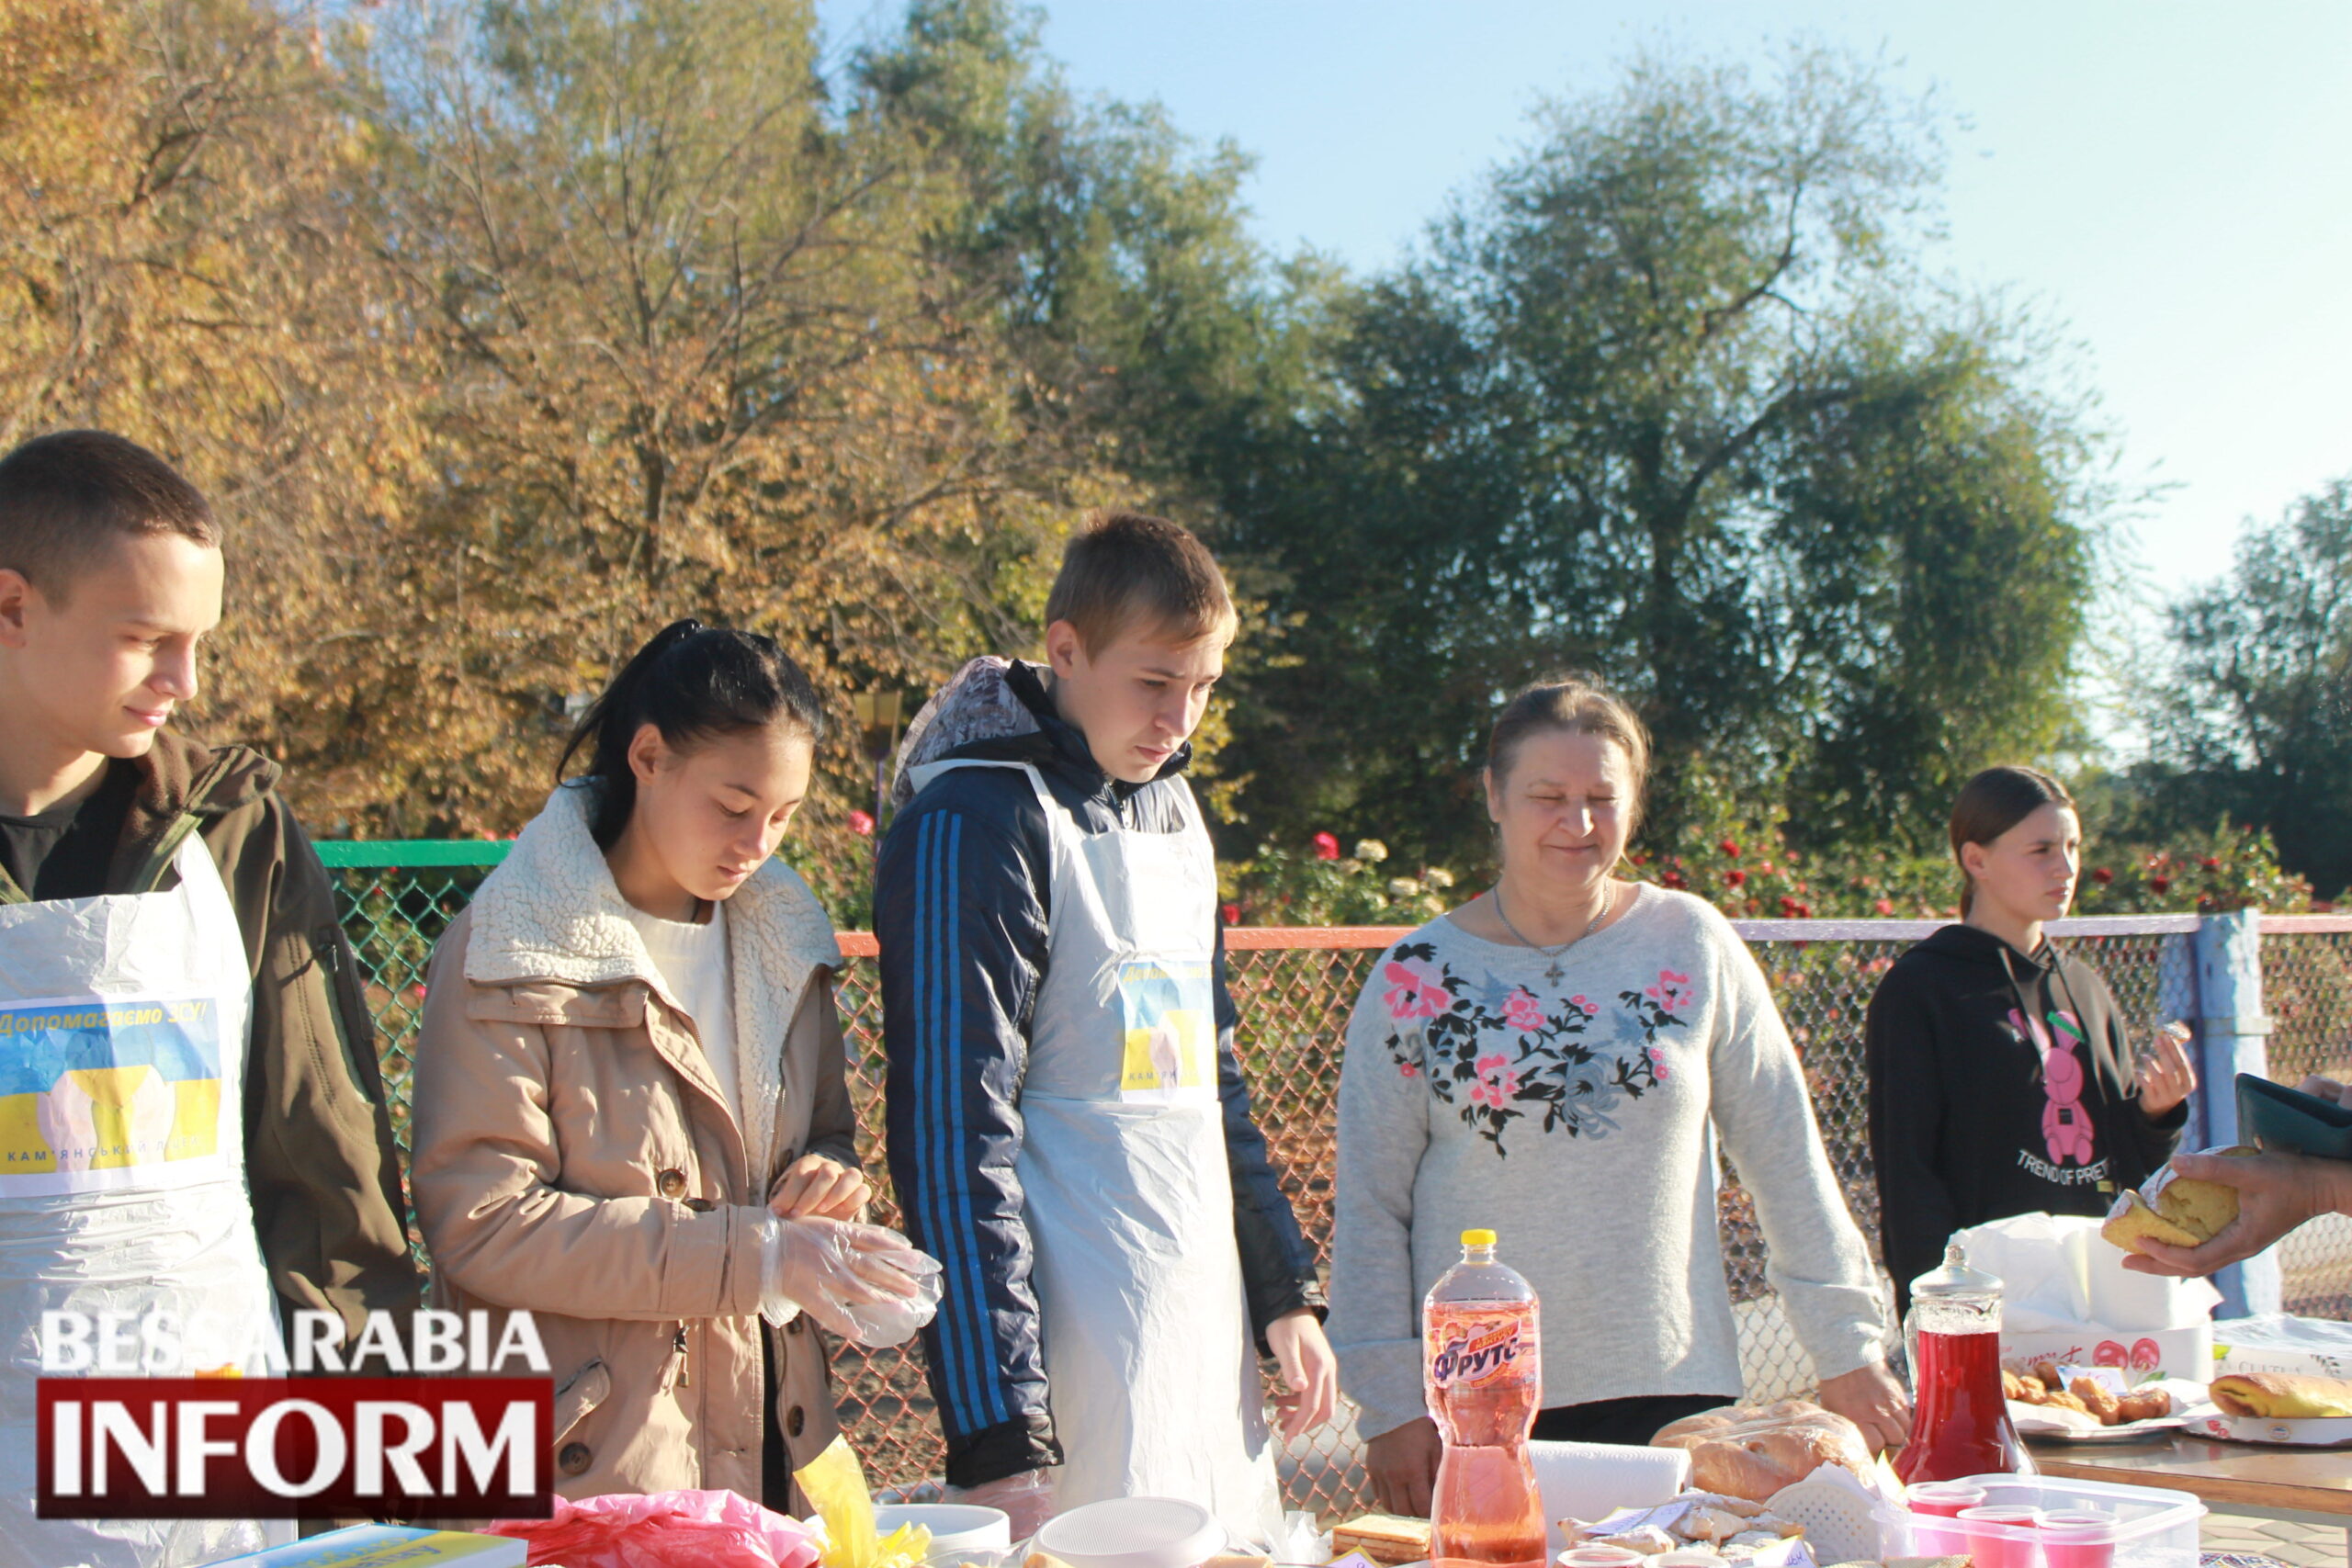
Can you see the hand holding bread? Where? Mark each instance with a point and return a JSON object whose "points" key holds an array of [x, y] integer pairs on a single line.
{"points": [[2175, 1208], [2275, 1193]]}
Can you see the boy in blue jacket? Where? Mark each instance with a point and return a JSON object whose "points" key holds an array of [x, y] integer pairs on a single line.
{"points": [[1069, 1129]]}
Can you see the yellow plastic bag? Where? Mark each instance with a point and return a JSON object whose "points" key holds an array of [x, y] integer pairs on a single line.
{"points": [[835, 1483]]}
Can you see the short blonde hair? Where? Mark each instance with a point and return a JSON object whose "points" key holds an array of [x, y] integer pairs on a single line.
{"points": [[1125, 571], [1573, 705]]}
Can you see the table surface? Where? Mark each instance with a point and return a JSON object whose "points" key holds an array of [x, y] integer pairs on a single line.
{"points": [[2254, 1475]]}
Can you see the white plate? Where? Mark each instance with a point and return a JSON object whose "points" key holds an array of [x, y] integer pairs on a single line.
{"points": [[2310, 1432], [2033, 1421], [2060, 1426]]}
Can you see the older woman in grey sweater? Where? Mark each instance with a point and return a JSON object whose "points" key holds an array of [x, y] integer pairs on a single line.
{"points": [[1555, 1060]]}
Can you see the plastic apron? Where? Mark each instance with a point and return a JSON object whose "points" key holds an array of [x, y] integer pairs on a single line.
{"points": [[1149, 1355], [123, 1026]]}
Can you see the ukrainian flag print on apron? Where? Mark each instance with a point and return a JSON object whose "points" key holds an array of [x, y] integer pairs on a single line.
{"points": [[1150, 1364], [123, 1025]]}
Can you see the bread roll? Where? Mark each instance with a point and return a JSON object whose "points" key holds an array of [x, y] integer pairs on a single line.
{"points": [[1752, 1452], [2173, 1208], [2285, 1396]]}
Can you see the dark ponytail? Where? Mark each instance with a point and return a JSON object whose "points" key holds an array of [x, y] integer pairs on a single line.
{"points": [[1990, 805], [693, 682]]}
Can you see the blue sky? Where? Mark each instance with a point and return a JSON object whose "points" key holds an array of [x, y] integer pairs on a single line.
{"points": [[2170, 182]]}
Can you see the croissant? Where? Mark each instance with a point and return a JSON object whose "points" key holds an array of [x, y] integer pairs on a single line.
{"points": [[2282, 1395]]}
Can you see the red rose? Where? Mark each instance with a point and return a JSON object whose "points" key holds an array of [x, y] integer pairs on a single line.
{"points": [[1672, 879], [861, 824], [2101, 876], [2160, 885], [1733, 879], [2211, 863], [1229, 913], [1804, 911], [1730, 847], [1327, 846], [1883, 907], [1789, 905]]}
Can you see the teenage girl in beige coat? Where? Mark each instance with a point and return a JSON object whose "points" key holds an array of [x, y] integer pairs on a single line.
{"points": [[631, 1117]]}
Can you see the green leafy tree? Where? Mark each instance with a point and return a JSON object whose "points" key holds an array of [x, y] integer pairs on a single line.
{"points": [[1112, 253], [1112, 247], [2258, 727], [1668, 398]]}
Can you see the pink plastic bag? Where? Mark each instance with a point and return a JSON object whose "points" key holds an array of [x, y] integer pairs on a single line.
{"points": [[663, 1529]]}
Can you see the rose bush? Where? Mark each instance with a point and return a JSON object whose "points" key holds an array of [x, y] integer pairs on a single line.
{"points": [[1738, 858]]}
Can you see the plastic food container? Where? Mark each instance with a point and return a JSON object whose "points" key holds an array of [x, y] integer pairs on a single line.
{"points": [[2153, 1528], [1598, 1554], [958, 1531], [1134, 1532]]}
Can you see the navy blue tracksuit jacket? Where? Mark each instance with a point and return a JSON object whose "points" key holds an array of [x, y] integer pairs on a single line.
{"points": [[960, 910]]}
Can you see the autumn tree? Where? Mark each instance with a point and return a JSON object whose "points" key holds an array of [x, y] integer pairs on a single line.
{"points": [[183, 265], [690, 357]]}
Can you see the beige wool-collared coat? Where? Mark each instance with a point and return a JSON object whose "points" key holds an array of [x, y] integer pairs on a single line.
{"points": [[575, 1156]]}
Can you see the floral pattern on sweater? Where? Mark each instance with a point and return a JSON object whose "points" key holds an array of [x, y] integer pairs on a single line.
{"points": [[1497, 1053]]}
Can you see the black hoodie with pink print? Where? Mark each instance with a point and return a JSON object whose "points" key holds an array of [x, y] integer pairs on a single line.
{"points": [[2000, 1084]]}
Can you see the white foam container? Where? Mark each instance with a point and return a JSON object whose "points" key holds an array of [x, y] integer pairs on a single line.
{"points": [[958, 1531], [1134, 1532], [2154, 1528]]}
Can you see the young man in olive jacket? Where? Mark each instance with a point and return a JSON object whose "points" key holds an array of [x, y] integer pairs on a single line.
{"points": [[110, 576]]}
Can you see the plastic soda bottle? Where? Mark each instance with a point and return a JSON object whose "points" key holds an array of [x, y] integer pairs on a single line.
{"points": [[1483, 1379]]}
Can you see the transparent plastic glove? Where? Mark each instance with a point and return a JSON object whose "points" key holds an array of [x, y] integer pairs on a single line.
{"points": [[1026, 1499], [863, 1282]]}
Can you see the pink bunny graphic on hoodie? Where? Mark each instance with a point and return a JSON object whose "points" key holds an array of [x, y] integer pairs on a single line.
{"points": [[2065, 1125]]}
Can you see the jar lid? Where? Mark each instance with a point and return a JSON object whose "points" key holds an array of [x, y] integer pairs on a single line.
{"points": [[1955, 1278]]}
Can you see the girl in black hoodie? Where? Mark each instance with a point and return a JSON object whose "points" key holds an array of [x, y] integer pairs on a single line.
{"points": [[2001, 1080]]}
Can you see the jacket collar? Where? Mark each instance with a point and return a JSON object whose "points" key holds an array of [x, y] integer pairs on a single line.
{"points": [[1001, 710], [1055, 745], [552, 913], [183, 783]]}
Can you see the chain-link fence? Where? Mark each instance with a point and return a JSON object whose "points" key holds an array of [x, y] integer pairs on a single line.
{"points": [[1295, 988]]}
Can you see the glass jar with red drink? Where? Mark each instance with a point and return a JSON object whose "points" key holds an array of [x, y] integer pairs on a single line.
{"points": [[1960, 1424]]}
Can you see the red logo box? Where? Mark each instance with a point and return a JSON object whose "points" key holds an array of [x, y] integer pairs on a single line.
{"points": [[283, 1447]]}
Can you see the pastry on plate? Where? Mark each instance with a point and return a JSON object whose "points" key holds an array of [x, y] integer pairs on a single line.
{"points": [[2282, 1396]]}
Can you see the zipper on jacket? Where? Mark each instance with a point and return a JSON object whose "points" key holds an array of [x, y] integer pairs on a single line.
{"points": [[152, 872]]}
